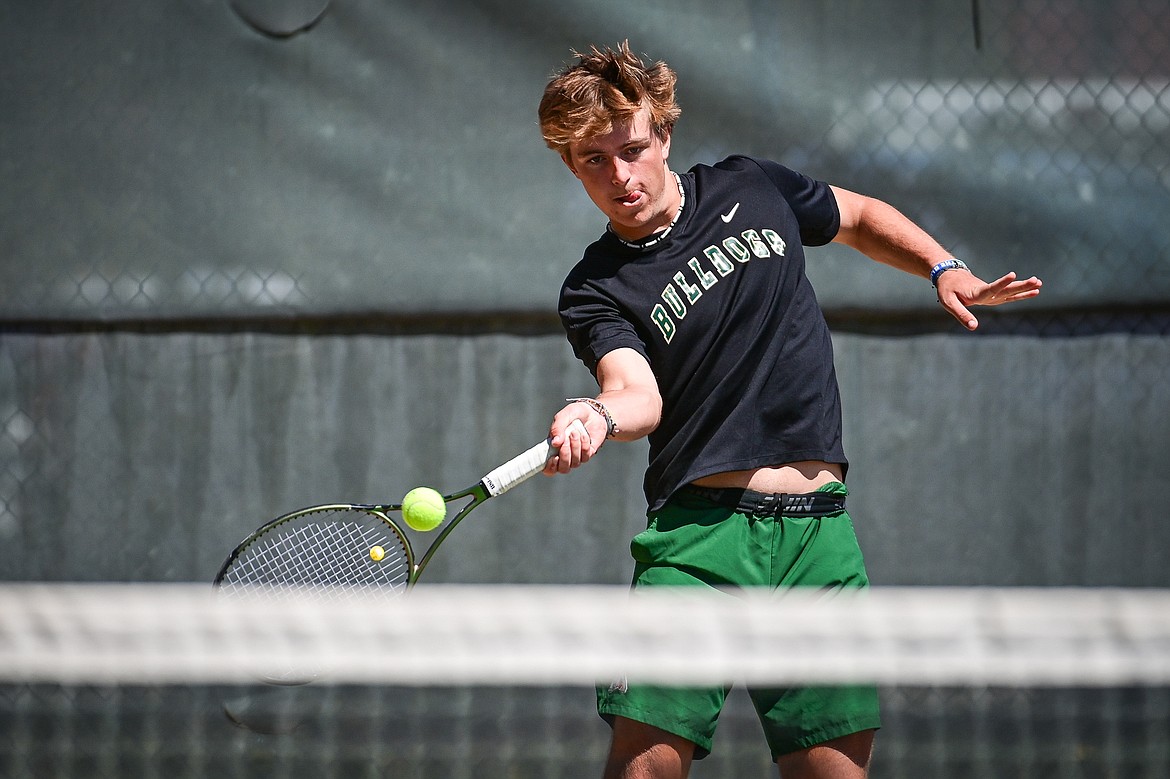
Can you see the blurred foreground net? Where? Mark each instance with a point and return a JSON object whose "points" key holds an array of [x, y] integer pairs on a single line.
{"points": [[164, 681]]}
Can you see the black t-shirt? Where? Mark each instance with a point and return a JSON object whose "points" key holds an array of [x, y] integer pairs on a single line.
{"points": [[723, 312]]}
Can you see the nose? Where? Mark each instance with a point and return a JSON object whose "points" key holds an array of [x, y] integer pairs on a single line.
{"points": [[620, 171]]}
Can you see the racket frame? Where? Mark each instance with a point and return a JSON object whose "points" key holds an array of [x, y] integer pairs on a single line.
{"points": [[496, 482]]}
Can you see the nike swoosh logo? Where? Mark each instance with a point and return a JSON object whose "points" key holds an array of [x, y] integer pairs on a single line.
{"points": [[730, 214]]}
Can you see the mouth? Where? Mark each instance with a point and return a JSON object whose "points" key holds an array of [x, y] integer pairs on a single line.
{"points": [[629, 198]]}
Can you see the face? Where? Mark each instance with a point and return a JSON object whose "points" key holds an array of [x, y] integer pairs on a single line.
{"points": [[625, 174]]}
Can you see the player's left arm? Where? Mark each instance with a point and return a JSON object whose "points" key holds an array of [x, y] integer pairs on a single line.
{"points": [[881, 232]]}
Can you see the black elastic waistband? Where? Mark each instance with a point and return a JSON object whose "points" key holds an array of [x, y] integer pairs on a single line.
{"points": [[761, 504]]}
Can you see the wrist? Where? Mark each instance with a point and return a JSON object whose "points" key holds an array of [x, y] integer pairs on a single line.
{"points": [[944, 266], [611, 428]]}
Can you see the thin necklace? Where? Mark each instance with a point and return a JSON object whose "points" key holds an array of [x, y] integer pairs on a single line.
{"points": [[644, 244]]}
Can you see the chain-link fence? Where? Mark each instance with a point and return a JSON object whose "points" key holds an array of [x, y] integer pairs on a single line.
{"points": [[350, 169]]}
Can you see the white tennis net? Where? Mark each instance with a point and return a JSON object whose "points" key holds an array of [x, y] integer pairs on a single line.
{"points": [[583, 635], [456, 681]]}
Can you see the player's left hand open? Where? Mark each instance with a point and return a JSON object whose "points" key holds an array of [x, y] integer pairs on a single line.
{"points": [[959, 289]]}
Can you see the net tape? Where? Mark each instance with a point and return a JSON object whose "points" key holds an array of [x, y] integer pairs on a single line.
{"points": [[537, 635]]}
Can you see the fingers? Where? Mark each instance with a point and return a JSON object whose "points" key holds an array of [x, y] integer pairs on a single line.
{"points": [[1006, 289], [1021, 290], [956, 296], [960, 312], [573, 447]]}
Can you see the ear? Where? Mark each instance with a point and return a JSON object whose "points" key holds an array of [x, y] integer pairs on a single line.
{"points": [[666, 144], [565, 158]]}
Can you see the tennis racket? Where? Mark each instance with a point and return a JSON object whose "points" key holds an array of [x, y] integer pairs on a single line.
{"points": [[338, 551]]}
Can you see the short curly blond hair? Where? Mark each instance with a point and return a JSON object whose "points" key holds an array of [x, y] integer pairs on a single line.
{"points": [[603, 88]]}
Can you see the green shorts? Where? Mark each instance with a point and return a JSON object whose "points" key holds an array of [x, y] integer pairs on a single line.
{"points": [[694, 541]]}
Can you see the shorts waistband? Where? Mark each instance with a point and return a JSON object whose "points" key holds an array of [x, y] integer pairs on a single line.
{"points": [[761, 504]]}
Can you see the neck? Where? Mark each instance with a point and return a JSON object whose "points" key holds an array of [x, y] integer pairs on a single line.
{"points": [[650, 240]]}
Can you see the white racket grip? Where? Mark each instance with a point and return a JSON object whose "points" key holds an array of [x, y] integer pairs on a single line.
{"points": [[520, 468], [523, 466]]}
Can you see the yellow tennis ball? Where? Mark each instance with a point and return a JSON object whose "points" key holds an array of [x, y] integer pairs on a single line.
{"points": [[424, 509], [377, 553]]}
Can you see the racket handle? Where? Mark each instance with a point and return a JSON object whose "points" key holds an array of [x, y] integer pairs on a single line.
{"points": [[521, 467]]}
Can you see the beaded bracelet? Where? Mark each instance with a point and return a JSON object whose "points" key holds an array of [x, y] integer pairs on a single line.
{"points": [[943, 267], [611, 428]]}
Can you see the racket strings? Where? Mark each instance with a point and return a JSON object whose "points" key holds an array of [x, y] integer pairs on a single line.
{"points": [[327, 554]]}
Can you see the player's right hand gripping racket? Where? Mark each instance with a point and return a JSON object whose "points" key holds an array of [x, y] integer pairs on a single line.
{"points": [[339, 550]]}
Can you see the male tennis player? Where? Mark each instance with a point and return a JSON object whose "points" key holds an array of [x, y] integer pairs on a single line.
{"points": [[694, 314]]}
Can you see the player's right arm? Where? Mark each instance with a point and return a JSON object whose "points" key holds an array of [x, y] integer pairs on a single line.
{"points": [[629, 392]]}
